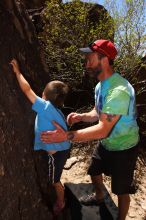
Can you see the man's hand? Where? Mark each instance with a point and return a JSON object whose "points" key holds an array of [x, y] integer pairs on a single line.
{"points": [[56, 136], [73, 118], [15, 66]]}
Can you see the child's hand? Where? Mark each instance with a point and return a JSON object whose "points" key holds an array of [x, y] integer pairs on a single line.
{"points": [[15, 66]]}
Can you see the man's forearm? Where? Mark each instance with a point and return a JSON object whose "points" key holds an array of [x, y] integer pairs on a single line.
{"points": [[95, 132], [98, 131], [91, 133], [91, 116]]}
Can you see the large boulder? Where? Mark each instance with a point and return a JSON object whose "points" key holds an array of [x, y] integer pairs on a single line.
{"points": [[34, 3], [20, 184]]}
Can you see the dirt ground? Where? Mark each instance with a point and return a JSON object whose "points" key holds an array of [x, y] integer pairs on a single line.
{"points": [[75, 172]]}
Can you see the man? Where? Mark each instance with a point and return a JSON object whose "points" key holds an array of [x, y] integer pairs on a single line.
{"points": [[116, 129]]}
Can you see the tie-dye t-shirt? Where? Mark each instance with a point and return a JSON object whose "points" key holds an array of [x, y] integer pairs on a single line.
{"points": [[115, 95]]}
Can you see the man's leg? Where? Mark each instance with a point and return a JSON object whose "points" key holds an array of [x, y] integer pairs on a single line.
{"points": [[95, 170], [98, 184], [122, 178], [123, 206]]}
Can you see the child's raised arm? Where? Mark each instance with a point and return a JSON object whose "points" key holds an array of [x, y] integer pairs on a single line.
{"points": [[24, 85]]}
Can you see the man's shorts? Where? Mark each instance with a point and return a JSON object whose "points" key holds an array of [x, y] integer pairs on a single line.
{"points": [[119, 165], [56, 164]]}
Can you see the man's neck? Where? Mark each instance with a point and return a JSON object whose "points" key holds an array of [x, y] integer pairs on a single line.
{"points": [[106, 74]]}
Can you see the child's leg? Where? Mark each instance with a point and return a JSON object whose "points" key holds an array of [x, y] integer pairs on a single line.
{"points": [[58, 161], [59, 193], [50, 152]]}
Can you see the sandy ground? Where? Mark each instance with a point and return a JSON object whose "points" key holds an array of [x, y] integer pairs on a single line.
{"points": [[77, 174]]}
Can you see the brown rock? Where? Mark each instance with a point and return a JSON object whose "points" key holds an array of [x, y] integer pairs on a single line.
{"points": [[20, 188]]}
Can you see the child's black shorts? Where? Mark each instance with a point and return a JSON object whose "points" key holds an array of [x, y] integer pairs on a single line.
{"points": [[56, 164], [119, 165]]}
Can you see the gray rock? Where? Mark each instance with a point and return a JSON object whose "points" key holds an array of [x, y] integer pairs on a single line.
{"points": [[81, 212]]}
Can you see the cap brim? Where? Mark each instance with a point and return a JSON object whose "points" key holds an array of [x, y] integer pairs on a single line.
{"points": [[86, 50]]}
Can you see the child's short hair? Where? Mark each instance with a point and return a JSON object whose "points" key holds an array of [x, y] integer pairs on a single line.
{"points": [[56, 92]]}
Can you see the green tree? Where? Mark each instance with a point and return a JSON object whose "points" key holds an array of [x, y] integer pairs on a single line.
{"points": [[130, 35], [67, 28]]}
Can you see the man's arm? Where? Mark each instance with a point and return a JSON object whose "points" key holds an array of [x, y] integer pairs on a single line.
{"points": [[24, 85], [74, 117], [91, 116], [99, 131]]}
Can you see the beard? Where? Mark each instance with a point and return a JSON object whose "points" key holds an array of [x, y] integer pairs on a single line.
{"points": [[93, 72]]}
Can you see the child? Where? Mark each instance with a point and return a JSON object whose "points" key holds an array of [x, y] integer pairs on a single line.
{"points": [[47, 109]]}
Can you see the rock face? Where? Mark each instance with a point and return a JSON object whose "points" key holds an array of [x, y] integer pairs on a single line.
{"points": [[82, 212], [34, 3], [20, 188]]}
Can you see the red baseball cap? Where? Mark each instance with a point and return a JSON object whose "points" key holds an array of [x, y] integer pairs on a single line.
{"points": [[104, 47]]}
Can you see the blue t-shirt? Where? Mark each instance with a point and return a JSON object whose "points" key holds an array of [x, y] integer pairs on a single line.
{"points": [[115, 95], [46, 113]]}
